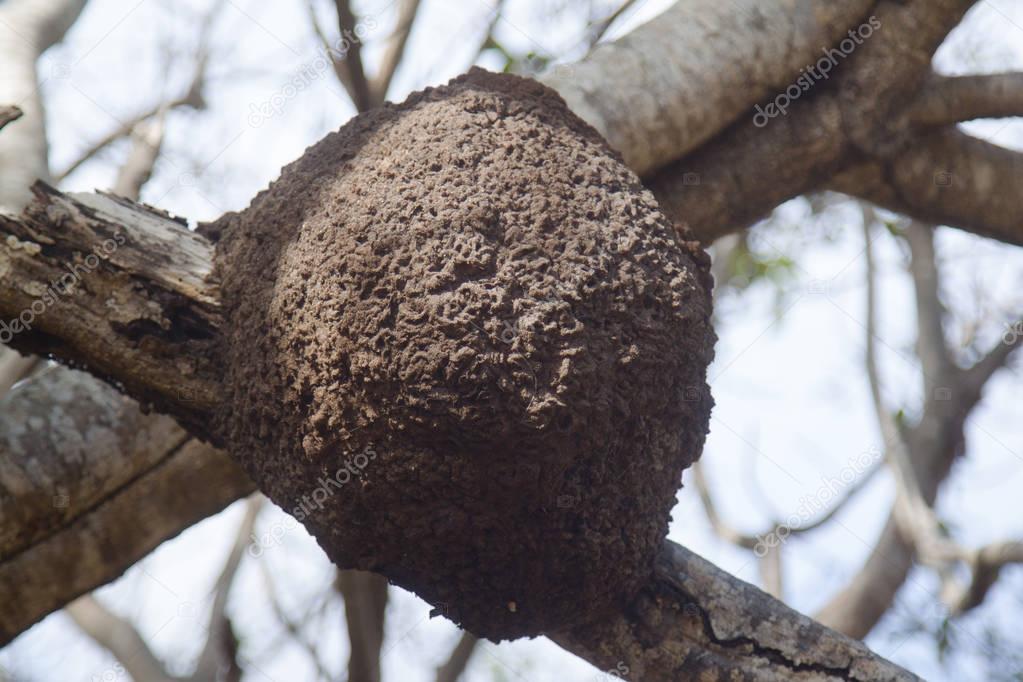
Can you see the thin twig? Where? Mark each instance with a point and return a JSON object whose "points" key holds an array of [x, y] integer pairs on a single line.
{"points": [[600, 28], [358, 84], [395, 51], [8, 114], [458, 660]]}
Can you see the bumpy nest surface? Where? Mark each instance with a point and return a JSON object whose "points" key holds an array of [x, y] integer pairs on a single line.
{"points": [[467, 349]]}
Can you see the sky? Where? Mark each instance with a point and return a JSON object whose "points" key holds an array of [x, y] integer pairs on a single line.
{"points": [[793, 405]]}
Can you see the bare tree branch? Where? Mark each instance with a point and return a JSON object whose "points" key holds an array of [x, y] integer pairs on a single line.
{"points": [[946, 178], [365, 596], [8, 114], [930, 312], [101, 242], [916, 519], [351, 62], [930, 448], [750, 542], [147, 138], [30, 28], [290, 625], [975, 377], [218, 658], [120, 638], [757, 163], [600, 28], [946, 100], [395, 51], [683, 78], [985, 565], [458, 660], [694, 621], [192, 98]]}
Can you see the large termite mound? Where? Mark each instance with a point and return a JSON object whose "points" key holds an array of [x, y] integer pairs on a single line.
{"points": [[468, 351]]}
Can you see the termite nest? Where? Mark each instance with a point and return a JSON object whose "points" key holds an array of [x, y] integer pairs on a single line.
{"points": [[473, 287]]}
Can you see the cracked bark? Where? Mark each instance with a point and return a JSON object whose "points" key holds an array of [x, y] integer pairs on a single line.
{"points": [[694, 621]]}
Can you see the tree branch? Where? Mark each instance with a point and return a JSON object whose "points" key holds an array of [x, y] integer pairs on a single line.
{"points": [[856, 117], [68, 263], [750, 542], [355, 72], [293, 628], [30, 28], [946, 100], [365, 596], [458, 660], [930, 312], [670, 85], [931, 446], [147, 138], [88, 486], [598, 29], [120, 638], [975, 377], [694, 620], [946, 178], [8, 114], [394, 52], [219, 653]]}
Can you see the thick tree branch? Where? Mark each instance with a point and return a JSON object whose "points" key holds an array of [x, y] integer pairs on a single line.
{"points": [[945, 100], [669, 86], [88, 486], [946, 178], [694, 620], [856, 118], [106, 284]]}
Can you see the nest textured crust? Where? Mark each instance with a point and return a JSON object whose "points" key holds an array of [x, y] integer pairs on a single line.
{"points": [[466, 348]]}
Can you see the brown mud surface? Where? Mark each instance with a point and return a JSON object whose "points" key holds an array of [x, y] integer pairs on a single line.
{"points": [[468, 350]]}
